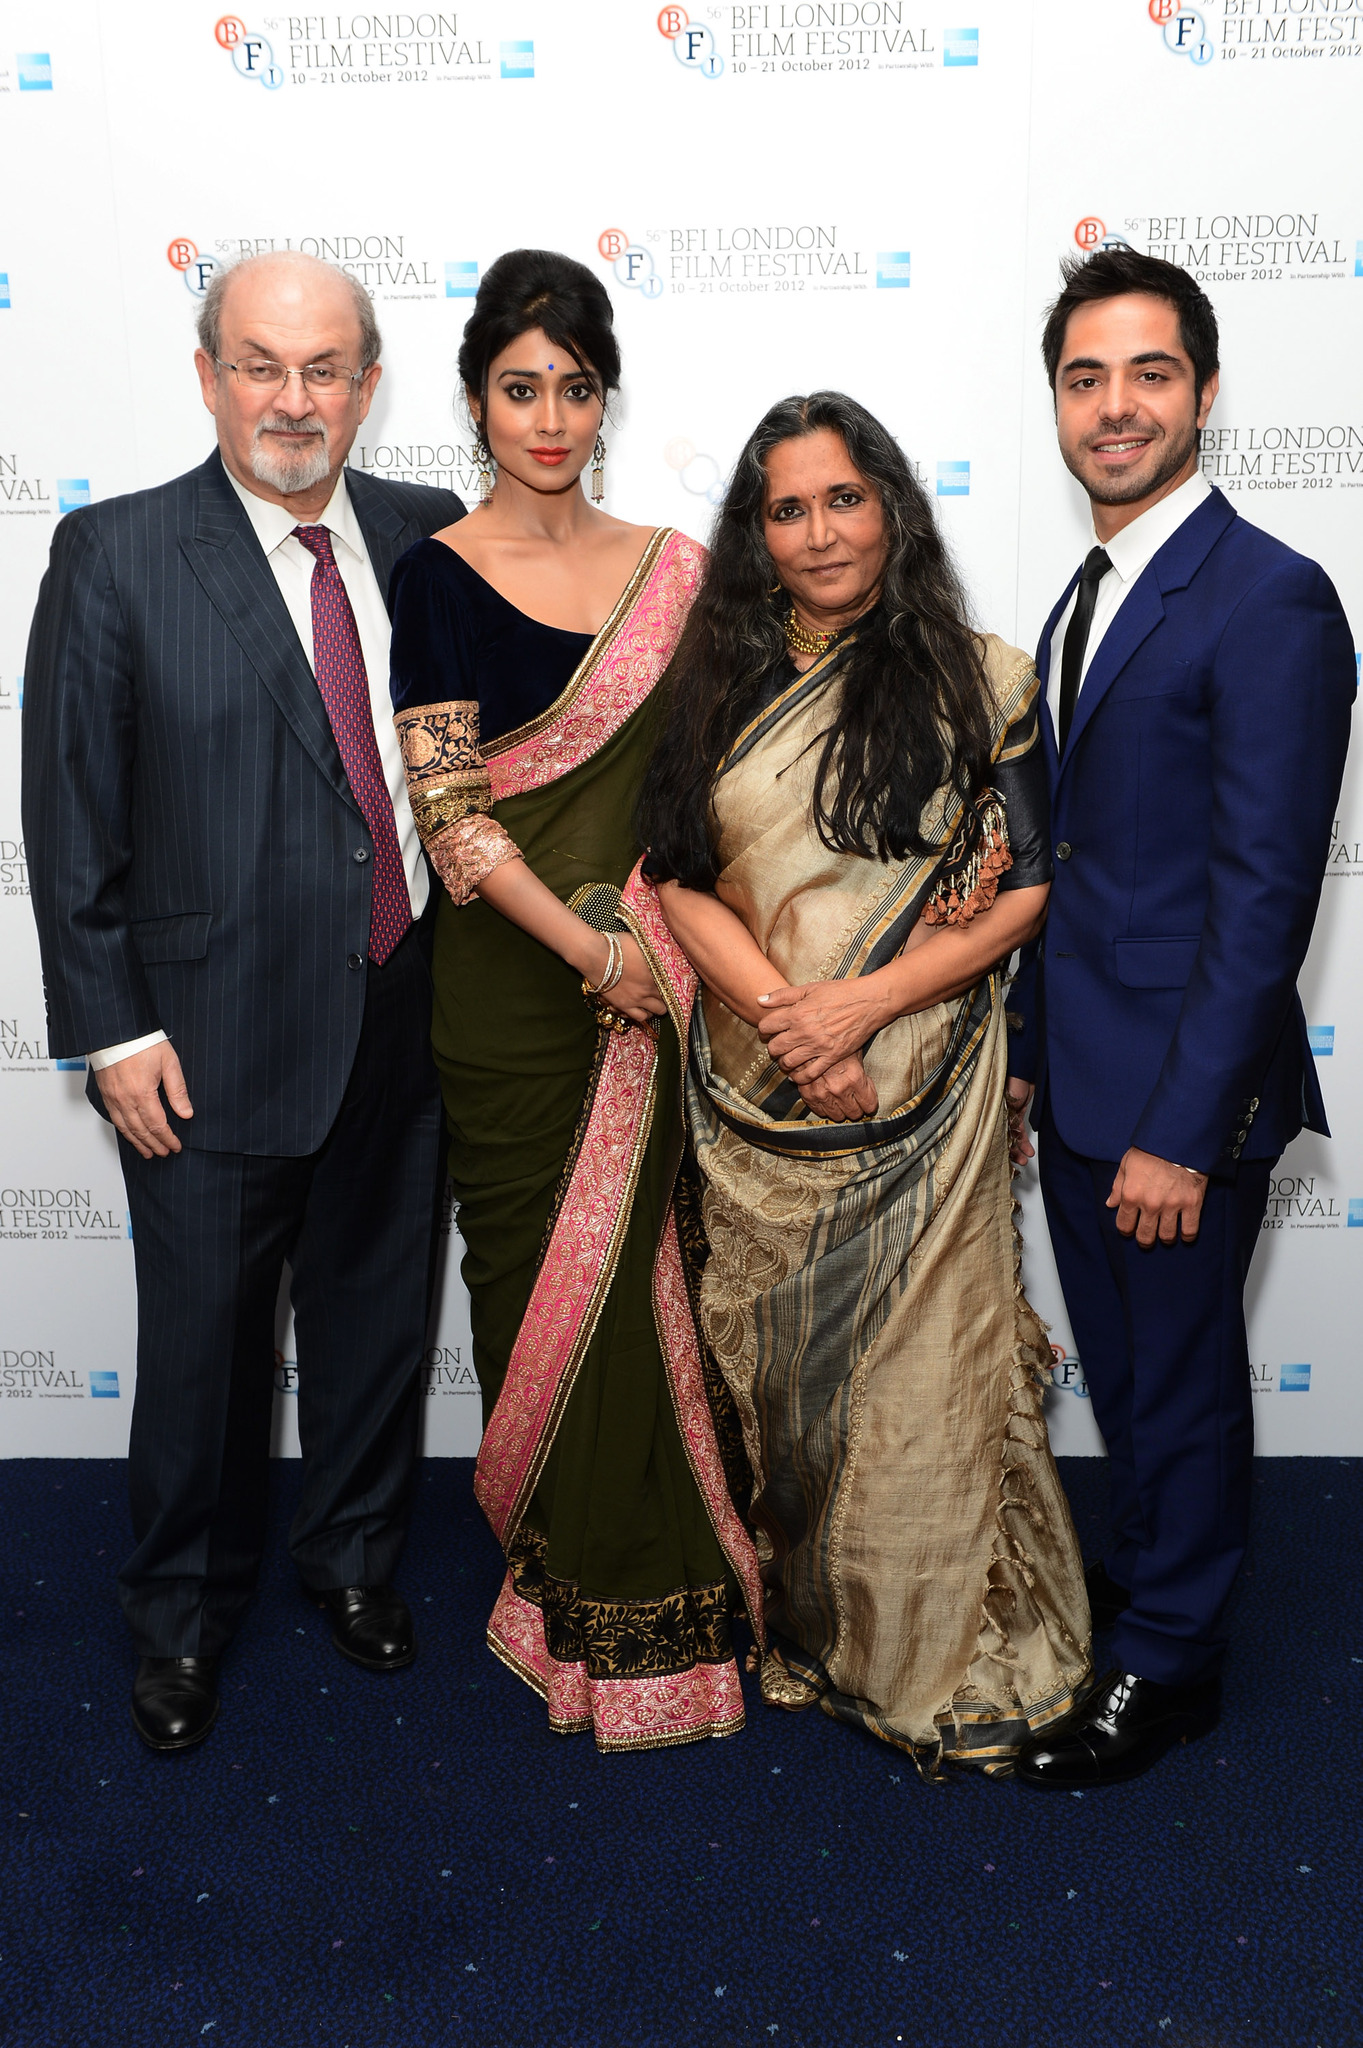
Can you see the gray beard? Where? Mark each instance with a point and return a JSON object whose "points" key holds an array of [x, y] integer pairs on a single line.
{"points": [[289, 473], [1119, 490]]}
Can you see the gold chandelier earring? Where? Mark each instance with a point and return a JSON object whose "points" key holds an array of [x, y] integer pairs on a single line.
{"points": [[598, 471], [487, 475]]}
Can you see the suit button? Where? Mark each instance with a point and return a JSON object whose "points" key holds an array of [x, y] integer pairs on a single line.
{"points": [[355, 962], [1064, 850], [1253, 1102], [1235, 1151], [360, 855], [1242, 1135]]}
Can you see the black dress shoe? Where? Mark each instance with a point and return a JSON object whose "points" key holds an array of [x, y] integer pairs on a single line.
{"points": [[1106, 1598], [369, 1624], [175, 1700], [1125, 1725]]}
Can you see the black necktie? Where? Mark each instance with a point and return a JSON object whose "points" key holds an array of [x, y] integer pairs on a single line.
{"points": [[1096, 566]]}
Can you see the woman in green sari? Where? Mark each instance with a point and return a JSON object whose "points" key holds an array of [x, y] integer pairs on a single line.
{"points": [[848, 824], [527, 641]]}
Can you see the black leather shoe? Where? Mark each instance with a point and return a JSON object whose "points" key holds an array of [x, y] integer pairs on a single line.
{"points": [[1106, 1598], [175, 1700], [1125, 1725], [369, 1624]]}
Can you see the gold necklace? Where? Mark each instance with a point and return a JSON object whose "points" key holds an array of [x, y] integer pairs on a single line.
{"points": [[802, 640]]}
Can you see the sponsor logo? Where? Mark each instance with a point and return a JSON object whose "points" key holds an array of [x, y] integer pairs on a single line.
{"points": [[1221, 245], [695, 472], [196, 270], [744, 257], [1294, 1379], [1346, 855], [892, 269], [1355, 1212], [814, 35], [1184, 30], [22, 494], [1358, 261], [13, 866], [60, 1215], [252, 57], [104, 1386], [34, 1375], [1296, 1202], [5, 297], [1067, 1374], [461, 280], [631, 263], [953, 479], [518, 60], [1306, 455], [22, 1049], [1322, 1040], [693, 44], [445, 1371], [383, 264], [960, 46], [70, 1066], [418, 48], [35, 71], [446, 465], [72, 493], [1090, 234]]}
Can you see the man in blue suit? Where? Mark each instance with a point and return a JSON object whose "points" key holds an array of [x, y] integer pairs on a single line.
{"points": [[1198, 680], [230, 895]]}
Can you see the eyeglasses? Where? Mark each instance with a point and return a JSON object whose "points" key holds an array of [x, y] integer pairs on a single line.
{"points": [[262, 373]]}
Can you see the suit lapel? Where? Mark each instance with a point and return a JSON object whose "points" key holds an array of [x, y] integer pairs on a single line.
{"points": [[386, 533], [229, 562]]}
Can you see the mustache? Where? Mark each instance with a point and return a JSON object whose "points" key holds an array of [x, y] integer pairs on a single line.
{"points": [[1118, 430], [280, 423]]}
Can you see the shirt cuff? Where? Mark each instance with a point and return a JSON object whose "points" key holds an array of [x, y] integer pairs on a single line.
{"points": [[111, 1054]]}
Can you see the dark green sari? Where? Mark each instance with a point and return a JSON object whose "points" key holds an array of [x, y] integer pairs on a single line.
{"points": [[600, 1468]]}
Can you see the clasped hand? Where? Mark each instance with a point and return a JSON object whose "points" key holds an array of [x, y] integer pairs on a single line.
{"points": [[815, 1033]]}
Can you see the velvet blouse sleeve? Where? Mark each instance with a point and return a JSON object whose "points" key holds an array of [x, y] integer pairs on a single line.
{"points": [[1021, 779], [433, 680]]}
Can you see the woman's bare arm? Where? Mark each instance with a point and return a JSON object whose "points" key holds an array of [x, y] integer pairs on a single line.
{"points": [[518, 894], [807, 1029], [730, 962]]}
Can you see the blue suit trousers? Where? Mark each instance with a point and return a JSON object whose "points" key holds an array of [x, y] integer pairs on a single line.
{"points": [[1161, 1338]]}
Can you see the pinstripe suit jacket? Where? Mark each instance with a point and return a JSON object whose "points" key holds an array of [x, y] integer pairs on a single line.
{"points": [[196, 855]]}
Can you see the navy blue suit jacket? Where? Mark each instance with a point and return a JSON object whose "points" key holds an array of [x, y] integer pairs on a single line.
{"points": [[198, 862], [1191, 819]]}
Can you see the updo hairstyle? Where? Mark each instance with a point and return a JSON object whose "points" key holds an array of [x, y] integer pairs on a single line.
{"points": [[540, 288]]}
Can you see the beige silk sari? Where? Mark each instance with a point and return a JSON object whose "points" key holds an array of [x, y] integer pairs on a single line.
{"points": [[863, 1296]]}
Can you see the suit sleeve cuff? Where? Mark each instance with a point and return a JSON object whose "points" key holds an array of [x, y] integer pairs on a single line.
{"points": [[109, 1055]]}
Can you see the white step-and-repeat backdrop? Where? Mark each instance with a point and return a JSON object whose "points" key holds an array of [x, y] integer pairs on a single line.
{"points": [[866, 193]]}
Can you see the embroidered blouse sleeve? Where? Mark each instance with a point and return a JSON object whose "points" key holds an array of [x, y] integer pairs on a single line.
{"points": [[434, 688]]}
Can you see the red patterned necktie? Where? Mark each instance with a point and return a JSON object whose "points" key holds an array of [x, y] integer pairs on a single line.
{"points": [[338, 662]]}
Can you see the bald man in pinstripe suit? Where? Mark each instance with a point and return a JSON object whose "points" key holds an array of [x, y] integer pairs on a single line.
{"points": [[231, 900]]}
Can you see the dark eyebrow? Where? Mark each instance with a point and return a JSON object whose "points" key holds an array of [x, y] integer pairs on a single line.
{"points": [[575, 372], [832, 491], [1150, 355]]}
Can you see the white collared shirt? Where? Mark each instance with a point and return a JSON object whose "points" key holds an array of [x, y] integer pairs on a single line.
{"points": [[1130, 552], [292, 567]]}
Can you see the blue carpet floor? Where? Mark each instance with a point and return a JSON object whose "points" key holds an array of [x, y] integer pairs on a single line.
{"points": [[414, 1861]]}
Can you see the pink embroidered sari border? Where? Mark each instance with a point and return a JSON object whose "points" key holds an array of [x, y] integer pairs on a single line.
{"points": [[613, 678], [571, 1285], [656, 1711]]}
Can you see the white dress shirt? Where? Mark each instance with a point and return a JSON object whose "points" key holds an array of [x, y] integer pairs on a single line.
{"points": [[1130, 551], [292, 567]]}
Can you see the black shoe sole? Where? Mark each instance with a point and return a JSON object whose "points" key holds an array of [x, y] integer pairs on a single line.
{"points": [[374, 1663], [1118, 1776], [185, 1742]]}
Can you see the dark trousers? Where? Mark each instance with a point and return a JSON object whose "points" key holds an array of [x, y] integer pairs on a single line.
{"points": [[356, 1221], [1161, 1338]]}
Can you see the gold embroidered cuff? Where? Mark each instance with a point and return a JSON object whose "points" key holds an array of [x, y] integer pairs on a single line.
{"points": [[466, 852], [447, 802], [447, 777]]}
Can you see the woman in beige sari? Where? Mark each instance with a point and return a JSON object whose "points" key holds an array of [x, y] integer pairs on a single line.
{"points": [[848, 835]]}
